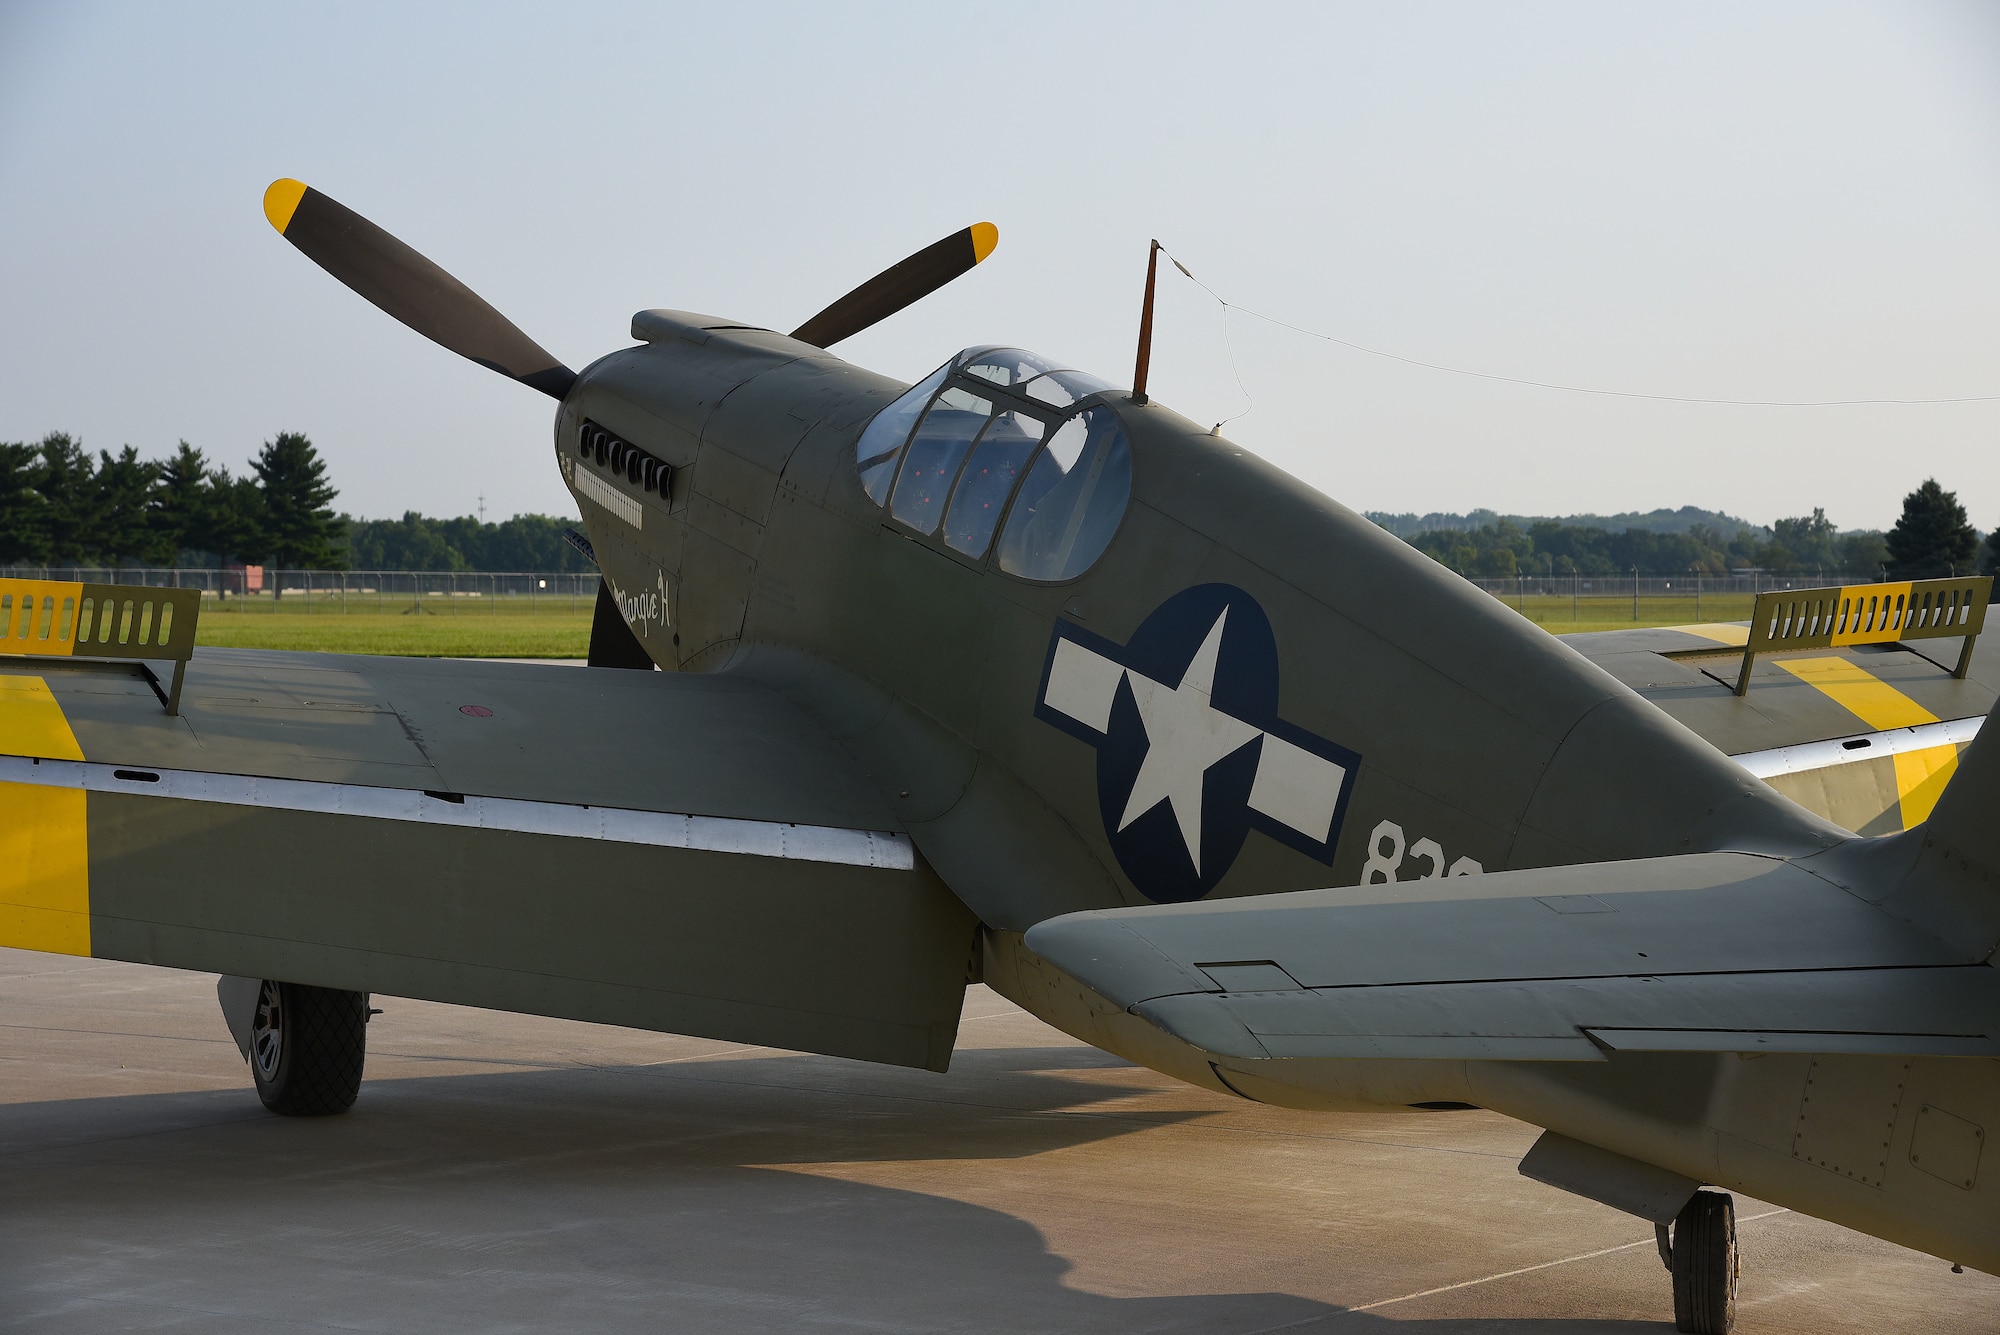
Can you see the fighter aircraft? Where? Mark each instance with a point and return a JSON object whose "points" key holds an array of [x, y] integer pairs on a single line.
{"points": [[1014, 676]]}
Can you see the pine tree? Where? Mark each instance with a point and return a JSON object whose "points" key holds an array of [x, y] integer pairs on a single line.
{"points": [[119, 529], [22, 539], [1932, 538], [178, 513], [67, 484], [299, 525], [234, 520]]}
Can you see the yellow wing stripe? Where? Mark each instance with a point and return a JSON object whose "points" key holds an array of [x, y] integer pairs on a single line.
{"points": [[44, 869], [44, 834], [1860, 692], [32, 723], [1920, 775], [1920, 780], [1721, 632]]}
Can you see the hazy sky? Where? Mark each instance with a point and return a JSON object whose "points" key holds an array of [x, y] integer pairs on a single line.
{"points": [[1775, 201]]}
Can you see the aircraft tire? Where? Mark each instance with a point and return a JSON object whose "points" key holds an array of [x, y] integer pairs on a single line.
{"points": [[1706, 1265], [307, 1045]]}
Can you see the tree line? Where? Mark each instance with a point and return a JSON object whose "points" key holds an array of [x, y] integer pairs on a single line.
{"points": [[414, 542], [1933, 537], [60, 505]]}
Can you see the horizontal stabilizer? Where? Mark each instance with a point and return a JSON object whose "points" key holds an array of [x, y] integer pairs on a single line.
{"points": [[1728, 952]]}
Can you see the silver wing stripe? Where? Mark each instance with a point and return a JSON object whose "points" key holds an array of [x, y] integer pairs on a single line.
{"points": [[1863, 746], [660, 829]]}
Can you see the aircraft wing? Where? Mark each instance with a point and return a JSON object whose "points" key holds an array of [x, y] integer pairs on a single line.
{"points": [[684, 853], [1728, 952], [1865, 735]]}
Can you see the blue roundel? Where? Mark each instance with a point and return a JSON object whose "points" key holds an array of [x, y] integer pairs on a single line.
{"points": [[1191, 753]]}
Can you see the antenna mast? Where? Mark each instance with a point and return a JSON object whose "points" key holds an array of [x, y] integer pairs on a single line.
{"points": [[1146, 328]]}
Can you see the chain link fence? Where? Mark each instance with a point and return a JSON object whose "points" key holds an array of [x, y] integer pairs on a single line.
{"points": [[1543, 598], [1654, 599], [247, 588]]}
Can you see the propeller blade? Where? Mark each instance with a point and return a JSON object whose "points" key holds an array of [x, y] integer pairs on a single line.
{"points": [[899, 285], [408, 286]]}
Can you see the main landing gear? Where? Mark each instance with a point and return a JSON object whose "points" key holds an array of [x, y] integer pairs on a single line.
{"points": [[1701, 1253], [306, 1047]]}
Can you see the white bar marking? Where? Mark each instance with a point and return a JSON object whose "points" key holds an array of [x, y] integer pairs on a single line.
{"points": [[1296, 788], [1082, 685]]}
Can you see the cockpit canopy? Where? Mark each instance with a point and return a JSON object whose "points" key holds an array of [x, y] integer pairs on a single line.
{"points": [[950, 457]]}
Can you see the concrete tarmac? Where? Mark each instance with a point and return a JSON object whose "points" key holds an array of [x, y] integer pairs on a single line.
{"points": [[509, 1173]]}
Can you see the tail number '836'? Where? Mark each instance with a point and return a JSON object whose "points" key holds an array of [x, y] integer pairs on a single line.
{"points": [[1387, 855]]}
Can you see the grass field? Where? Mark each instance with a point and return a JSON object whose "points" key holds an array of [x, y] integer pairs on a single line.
{"points": [[1564, 617], [560, 627], [431, 628]]}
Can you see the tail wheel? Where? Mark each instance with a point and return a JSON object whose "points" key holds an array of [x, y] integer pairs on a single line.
{"points": [[307, 1045], [1705, 1265]]}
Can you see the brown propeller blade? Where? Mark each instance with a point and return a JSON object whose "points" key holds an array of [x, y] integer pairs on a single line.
{"points": [[900, 284], [408, 286]]}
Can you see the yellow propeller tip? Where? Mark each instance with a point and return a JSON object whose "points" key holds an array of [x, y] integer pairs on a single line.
{"points": [[985, 236], [281, 200]]}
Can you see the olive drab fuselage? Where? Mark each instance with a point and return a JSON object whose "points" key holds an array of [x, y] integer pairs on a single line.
{"points": [[1252, 690], [1468, 739]]}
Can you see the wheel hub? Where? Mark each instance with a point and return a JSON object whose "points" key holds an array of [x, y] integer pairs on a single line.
{"points": [[267, 1030]]}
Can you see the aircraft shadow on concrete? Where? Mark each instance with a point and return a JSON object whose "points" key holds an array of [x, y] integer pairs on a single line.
{"points": [[594, 1198], [999, 1103]]}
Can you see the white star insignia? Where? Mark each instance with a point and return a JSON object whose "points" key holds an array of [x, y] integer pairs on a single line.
{"points": [[1185, 735]]}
